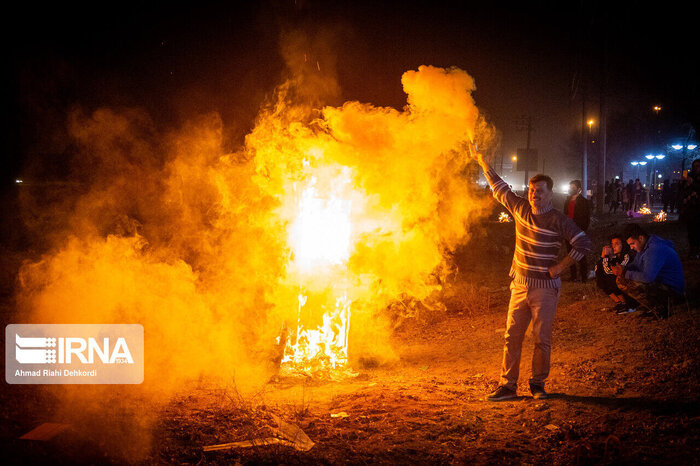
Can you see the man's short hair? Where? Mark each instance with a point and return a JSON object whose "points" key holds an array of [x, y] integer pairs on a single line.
{"points": [[540, 177], [576, 183], [633, 230]]}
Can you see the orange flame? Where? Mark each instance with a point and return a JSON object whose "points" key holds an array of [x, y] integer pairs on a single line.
{"points": [[320, 213]]}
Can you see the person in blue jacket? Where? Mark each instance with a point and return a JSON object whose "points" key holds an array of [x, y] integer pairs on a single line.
{"points": [[655, 274]]}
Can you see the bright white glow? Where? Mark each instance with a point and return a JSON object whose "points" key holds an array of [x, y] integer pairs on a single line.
{"points": [[660, 176], [635, 163], [321, 231], [564, 188], [660, 156], [649, 156], [18, 181], [677, 146], [692, 146], [617, 177], [642, 163]]}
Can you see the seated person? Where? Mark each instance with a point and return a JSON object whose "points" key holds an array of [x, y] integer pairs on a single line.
{"points": [[616, 252], [655, 275]]}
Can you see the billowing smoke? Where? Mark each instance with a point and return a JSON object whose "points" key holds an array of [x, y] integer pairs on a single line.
{"points": [[201, 246]]}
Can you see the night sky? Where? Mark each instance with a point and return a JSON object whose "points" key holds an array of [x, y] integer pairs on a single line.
{"points": [[528, 59]]}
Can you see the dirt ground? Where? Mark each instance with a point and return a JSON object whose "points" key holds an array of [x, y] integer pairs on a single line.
{"points": [[624, 391]]}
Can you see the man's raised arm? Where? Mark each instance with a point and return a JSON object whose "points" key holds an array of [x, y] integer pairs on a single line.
{"points": [[501, 190]]}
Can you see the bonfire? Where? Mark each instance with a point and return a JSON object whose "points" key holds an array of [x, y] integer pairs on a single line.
{"points": [[660, 217]]}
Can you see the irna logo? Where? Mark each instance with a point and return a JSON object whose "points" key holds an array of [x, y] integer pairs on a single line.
{"points": [[74, 354], [44, 350]]}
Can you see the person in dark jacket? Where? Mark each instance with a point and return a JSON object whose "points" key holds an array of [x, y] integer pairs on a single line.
{"points": [[655, 276], [690, 208], [616, 252], [576, 207], [666, 194]]}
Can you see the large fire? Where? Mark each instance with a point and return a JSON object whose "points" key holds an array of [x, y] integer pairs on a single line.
{"points": [[305, 236], [320, 236]]}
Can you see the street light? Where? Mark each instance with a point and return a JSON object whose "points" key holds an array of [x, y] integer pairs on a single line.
{"points": [[651, 178], [690, 146], [637, 164]]}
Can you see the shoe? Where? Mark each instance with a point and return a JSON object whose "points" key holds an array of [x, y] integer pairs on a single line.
{"points": [[619, 307], [538, 392], [502, 393], [626, 310]]}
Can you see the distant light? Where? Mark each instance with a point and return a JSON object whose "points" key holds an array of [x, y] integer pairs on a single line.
{"points": [[18, 181], [635, 163], [677, 146], [617, 177], [660, 156], [649, 156], [565, 188], [657, 108], [590, 122], [515, 158], [642, 163], [692, 146], [660, 176]]}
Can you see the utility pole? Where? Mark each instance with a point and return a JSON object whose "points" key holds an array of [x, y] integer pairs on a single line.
{"points": [[584, 139], [527, 149], [602, 152], [525, 124], [601, 176]]}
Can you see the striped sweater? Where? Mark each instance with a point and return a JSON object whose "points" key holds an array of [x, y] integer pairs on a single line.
{"points": [[538, 237]]}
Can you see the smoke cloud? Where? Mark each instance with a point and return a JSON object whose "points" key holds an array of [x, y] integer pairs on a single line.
{"points": [[197, 244]]}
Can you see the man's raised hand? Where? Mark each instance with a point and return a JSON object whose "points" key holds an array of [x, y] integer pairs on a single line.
{"points": [[474, 153]]}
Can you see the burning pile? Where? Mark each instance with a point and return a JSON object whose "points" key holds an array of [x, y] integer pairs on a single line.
{"points": [[644, 210], [321, 221], [660, 217]]}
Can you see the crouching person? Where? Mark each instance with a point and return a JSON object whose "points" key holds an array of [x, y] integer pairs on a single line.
{"points": [[655, 276], [616, 252]]}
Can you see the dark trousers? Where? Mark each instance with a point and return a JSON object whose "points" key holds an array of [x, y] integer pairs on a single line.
{"points": [[653, 296], [608, 284], [582, 267]]}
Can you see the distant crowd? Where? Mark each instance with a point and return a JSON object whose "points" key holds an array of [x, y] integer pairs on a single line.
{"points": [[673, 195]]}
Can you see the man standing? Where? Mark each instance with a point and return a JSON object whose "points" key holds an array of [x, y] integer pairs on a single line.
{"points": [[534, 290], [576, 207]]}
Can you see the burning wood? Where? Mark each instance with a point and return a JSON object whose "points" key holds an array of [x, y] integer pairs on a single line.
{"points": [[321, 240], [660, 217], [644, 210]]}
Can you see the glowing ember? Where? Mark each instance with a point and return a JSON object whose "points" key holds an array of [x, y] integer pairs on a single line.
{"points": [[644, 210], [660, 217], [504, 218]]}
